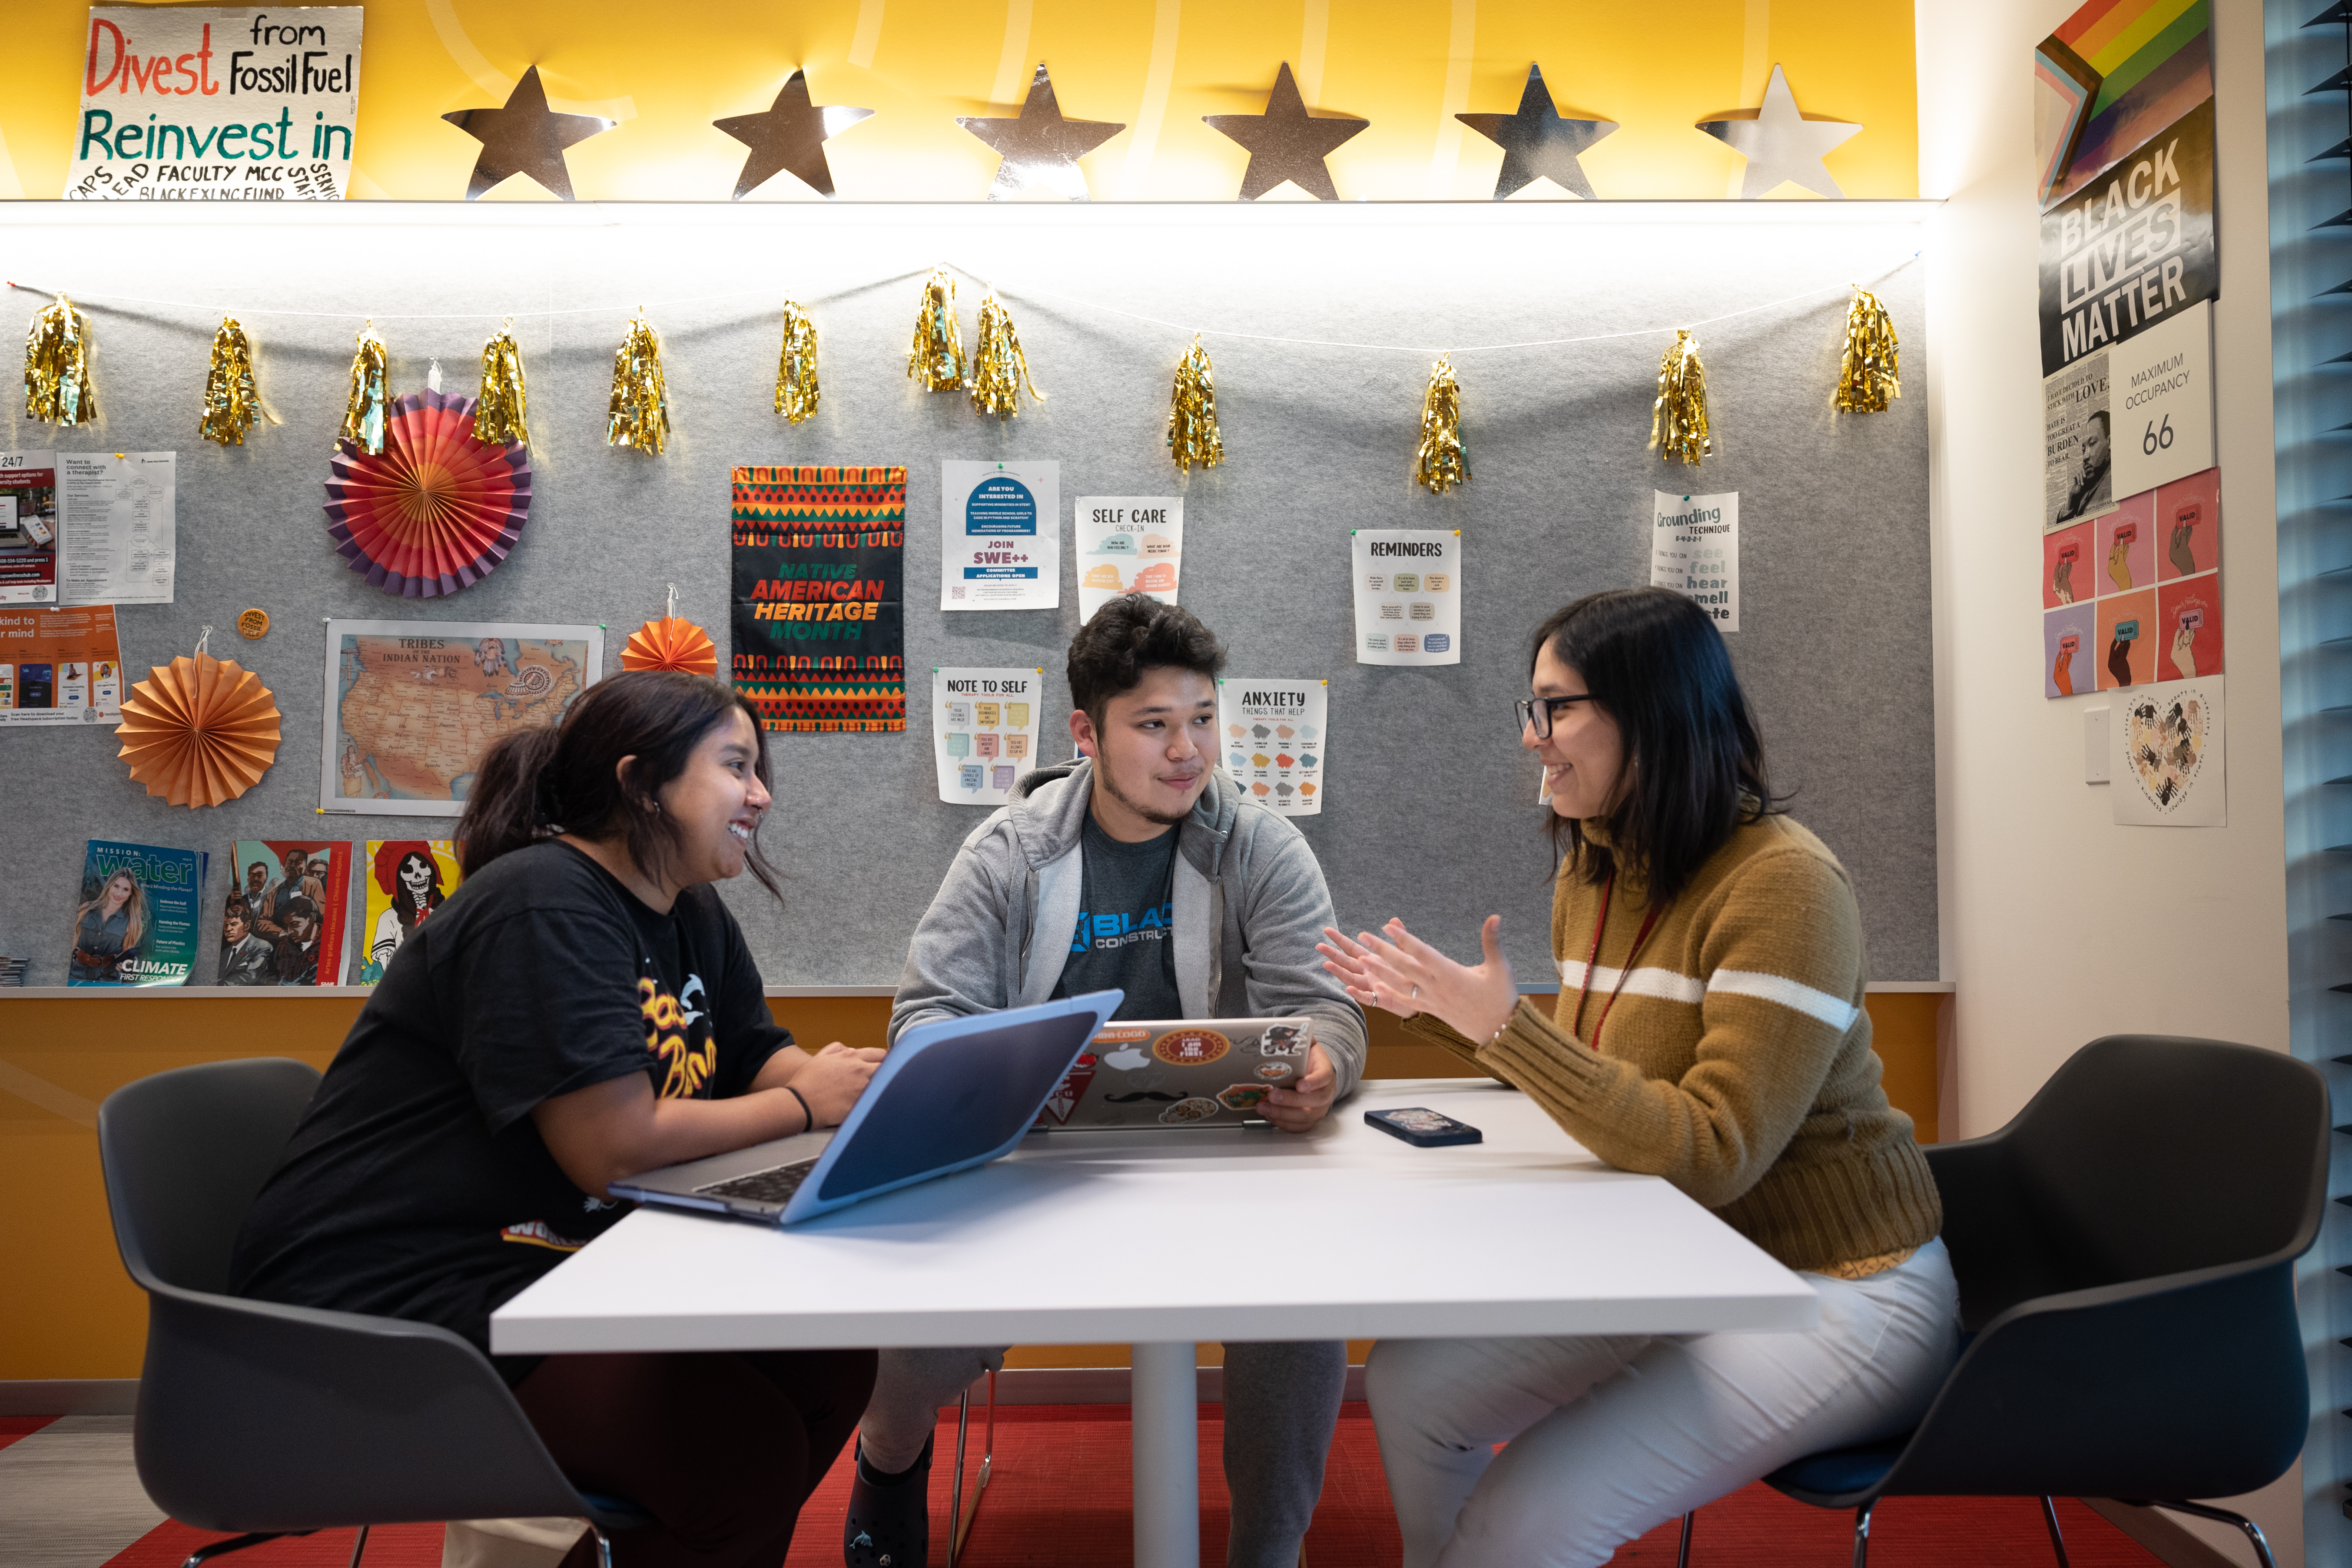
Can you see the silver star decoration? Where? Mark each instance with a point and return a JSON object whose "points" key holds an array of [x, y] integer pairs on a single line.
{"points": [[525, 137], [1781, 144], [1040, 148], [1286, 143], [1538, 143], [790, 138]]}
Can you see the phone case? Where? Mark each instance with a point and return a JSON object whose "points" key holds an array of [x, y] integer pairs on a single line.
{"points": [[1422, 1128]]}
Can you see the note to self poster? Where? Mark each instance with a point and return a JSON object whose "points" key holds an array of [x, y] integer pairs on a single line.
{"points": [[983, 732]]}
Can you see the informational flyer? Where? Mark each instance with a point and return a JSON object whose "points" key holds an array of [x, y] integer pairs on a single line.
{"points": [[1128, 544], [984, 732], [820, 597], [119, 537], [1000, 536], [60, 666], [411, 706], [1408, 587], [28, 528], [1276, 737], [2164, 755], [189, 104], [2124, 420], [1694, 550]]}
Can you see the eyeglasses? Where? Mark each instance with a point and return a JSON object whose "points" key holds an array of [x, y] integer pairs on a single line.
{"points": [[1537, 713]]}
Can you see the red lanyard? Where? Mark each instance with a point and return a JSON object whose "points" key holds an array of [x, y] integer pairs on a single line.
{"points": [[1600, 925]]}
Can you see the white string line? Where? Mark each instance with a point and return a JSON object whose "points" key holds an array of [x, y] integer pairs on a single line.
{"points": [[1474, 348], [1016, 292]]}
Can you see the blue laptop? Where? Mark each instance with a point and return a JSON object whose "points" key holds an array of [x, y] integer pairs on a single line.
{"points": [[949, 1096]]}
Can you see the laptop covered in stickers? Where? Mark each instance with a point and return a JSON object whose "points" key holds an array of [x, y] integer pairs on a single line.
{"points": [[1186, 1072]]}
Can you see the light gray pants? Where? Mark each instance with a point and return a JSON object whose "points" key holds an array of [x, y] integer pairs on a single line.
{"points": [[1606, 1438], [1282, 1402]]}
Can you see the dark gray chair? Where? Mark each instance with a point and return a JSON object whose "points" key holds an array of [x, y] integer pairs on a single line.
{"points": [[2126, 1254], [271, 1420]]}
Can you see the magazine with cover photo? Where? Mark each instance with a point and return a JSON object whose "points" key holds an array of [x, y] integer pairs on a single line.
{"points": [[283, 921], [136, 917]]}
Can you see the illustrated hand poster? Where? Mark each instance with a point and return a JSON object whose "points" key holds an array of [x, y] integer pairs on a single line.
{"points": [[1000, 536], [411, 706], [984, 732], [2164, 755], [1408, 588], [1694, 550], [1275, 736], [282, 920], [1128, 544], [405, 881], [28, 528], [136, 918], [219, 105], [118, 540], [819, 597], [61, 667], [2134, 595]]}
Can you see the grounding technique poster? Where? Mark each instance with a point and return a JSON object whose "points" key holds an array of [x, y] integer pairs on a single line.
{"points": [[1000, 536], [1694, 550], [984, 732], [1408, 591], [1275, 736]]}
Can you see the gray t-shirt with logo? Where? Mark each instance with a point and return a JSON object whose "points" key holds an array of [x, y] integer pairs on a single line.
{"points": [[1123, 939]]}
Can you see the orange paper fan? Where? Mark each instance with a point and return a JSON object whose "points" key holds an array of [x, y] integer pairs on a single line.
{"points": [[670, 643], [199, 731]]}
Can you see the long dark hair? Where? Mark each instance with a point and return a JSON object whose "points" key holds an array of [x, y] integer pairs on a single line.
{"points": [[535, 783], [1694, 761]]}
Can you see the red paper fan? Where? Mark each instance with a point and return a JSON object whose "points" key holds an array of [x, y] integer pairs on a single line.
{"points": [[438, 510], [670, 643]]}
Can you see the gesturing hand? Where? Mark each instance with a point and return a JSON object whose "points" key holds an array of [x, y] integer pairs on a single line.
{"points": [[1397, 971]]}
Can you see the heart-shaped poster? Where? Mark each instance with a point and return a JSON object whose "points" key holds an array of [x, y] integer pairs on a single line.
{"points": [[2165, 742]]}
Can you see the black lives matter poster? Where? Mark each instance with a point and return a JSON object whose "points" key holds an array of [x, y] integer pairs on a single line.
{"points": [[2132, 248]]}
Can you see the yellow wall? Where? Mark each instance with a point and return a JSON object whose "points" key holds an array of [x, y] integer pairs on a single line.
{"points": [[665, 74], [71, 1311]]}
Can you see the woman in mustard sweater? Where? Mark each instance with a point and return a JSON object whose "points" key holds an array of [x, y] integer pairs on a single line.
{"points": [[1710, 1030]]}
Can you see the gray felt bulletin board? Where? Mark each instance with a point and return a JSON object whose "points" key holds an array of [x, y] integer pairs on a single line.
{"points": [[1429, 805]]}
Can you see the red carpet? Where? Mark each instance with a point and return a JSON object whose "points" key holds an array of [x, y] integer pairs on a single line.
{"points": [[13, 1427], [1060, 1496]]}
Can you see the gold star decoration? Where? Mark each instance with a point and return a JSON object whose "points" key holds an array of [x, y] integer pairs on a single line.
{"points": [[1781, 144], [1286, 143], [1040, 148], [524, 137], [790, 138], [1536, 143]]}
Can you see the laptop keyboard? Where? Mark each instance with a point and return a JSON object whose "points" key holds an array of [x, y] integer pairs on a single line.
{"points": [[775, 1185]]}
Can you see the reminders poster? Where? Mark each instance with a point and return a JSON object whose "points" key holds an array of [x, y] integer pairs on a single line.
{"points": [[1275, 734], [1408, 596], [983, 732], [1000, 536]]}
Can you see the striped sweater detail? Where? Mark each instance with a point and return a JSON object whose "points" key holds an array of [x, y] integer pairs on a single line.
{"points": [[1735, 1059]]}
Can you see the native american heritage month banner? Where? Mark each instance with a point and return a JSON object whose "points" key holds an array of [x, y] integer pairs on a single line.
{"points": [[820, 632]]}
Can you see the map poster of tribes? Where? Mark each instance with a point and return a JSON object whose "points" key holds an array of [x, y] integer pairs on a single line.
{"points": [[183, 104], [820, 632], [412, 705]]}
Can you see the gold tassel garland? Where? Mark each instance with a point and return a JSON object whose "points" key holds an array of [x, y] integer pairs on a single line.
{"points": [[999, 369], [1442, 463], [936, 356], [502, 417], [231, 403], [1872, 371], [1192, 434], [56, 366], [640, 408], [363, 419], [1678, 427], [796, 388]]}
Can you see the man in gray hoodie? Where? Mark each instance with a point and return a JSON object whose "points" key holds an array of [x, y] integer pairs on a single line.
{"points": [[1142, 866]]}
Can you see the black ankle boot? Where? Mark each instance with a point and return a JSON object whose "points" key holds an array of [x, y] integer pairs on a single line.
{"points": [[889, 1520]]}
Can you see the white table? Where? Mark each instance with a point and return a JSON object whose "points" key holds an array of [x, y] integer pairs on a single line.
{"points": [[1164, 1239]]}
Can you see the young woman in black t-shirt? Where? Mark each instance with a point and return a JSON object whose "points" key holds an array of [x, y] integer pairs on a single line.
{"points": [[583, 1007]]}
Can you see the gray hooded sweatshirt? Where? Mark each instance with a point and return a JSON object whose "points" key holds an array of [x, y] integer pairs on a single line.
{"points": [[1250, 906]]}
